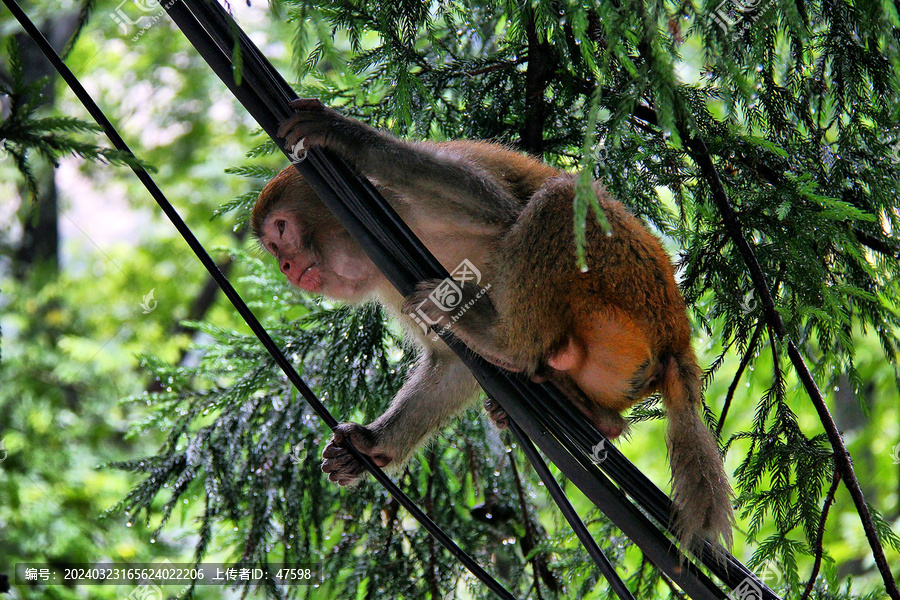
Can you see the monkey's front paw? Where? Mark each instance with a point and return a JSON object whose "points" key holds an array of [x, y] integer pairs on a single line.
{"points": [[311, 122], [340, 464]]}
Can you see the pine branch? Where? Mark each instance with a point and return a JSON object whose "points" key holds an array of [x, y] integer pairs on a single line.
{"points": [[541, 64], [745, 360], [22, 131], [829, 499], [876, 244], [529, 541], [701, 155]]}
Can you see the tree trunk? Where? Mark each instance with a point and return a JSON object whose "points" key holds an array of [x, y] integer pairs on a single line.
{"points": [[40, 217]]}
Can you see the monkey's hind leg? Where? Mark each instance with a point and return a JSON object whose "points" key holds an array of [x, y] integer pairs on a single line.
{"points": [[608, 421], [472, 319]]}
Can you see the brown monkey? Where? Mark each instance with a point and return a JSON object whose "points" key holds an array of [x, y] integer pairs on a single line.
{"points": [[608, 337]]}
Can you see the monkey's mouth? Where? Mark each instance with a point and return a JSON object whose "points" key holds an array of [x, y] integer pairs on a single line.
{"points": [[310, 279]]}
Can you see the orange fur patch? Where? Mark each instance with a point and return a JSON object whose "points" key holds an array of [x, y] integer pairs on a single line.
{"points": [[604, 356]]}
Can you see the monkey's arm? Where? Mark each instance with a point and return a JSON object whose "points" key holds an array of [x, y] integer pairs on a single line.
{"points": [[478, 327], [439, 387], [433, 178]]}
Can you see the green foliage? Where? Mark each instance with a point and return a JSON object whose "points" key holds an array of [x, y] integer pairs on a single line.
{"points": [[242, 205], [50, 137], [69, 338], [58, 421]]}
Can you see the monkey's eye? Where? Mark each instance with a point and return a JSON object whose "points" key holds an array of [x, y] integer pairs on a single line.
{"points": [[274, 248], [280, 225]]}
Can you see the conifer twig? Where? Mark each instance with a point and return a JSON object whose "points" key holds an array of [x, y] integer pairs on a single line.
{"points": [[745, 360], [829, 499], [537, 563]]}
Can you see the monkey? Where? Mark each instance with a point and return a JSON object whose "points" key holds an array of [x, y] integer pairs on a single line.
{"points": [[608, 336]]}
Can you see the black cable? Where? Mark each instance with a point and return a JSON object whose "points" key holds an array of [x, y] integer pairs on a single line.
{"points": [[241, 306], [568, 511]]}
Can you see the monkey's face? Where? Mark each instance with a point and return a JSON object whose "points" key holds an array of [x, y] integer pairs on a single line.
{"points": [[318, 257]]}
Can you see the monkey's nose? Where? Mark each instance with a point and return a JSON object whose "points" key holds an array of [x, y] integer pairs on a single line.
{"points": [[286, 267]]}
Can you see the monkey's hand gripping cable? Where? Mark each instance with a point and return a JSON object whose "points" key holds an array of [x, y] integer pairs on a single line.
{"points": [[538, 411]]}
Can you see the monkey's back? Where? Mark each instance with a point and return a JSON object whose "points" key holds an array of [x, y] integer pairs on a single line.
{"points": [[628, 271]]}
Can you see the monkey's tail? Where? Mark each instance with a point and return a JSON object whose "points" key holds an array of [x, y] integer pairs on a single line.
{"points": [[700, 488]]}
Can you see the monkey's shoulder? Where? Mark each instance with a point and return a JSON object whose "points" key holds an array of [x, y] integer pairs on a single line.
{"points": [[522, 173]]}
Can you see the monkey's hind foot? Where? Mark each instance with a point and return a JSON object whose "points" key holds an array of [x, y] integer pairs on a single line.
{"points": [[496, 413], [340, 464], [607, 421]]}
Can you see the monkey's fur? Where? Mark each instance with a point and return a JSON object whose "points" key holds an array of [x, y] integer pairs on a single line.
{"points": [[608, 337]]}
